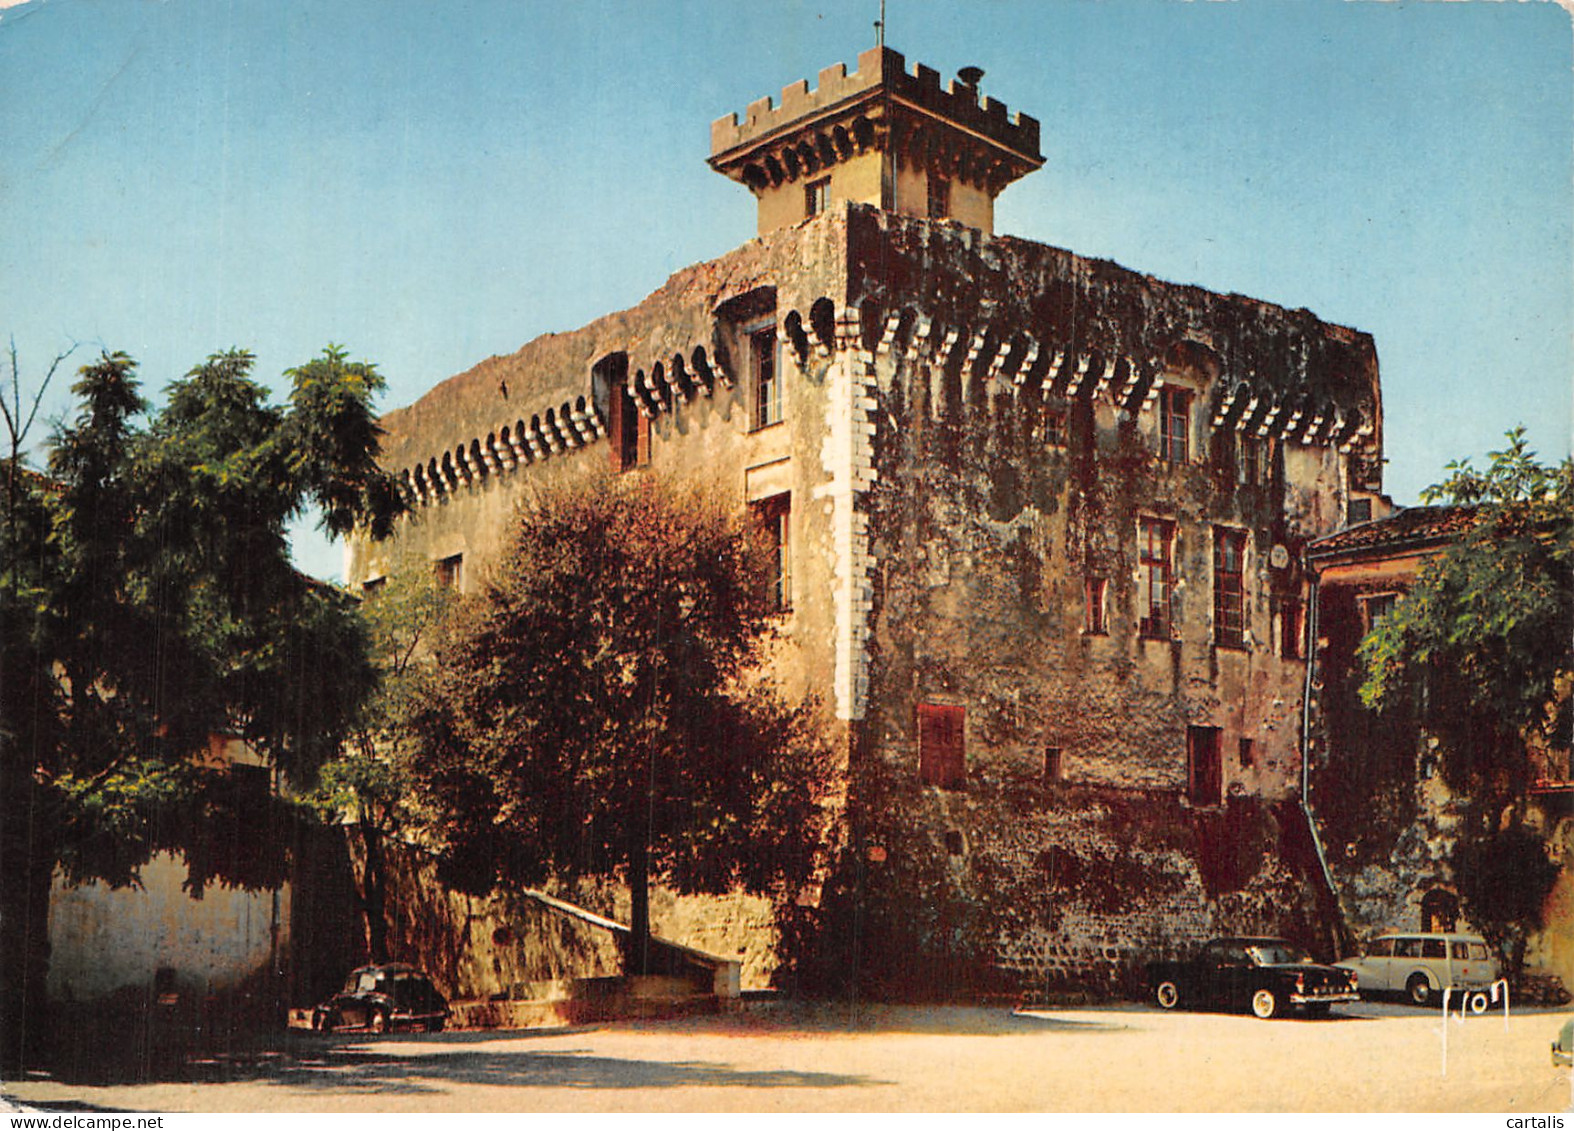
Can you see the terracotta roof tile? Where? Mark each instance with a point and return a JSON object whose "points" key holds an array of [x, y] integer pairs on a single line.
{"points": [[1413, 526]]}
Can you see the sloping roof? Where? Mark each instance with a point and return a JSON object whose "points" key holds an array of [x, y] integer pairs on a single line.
{"points": [[1413, 528]]}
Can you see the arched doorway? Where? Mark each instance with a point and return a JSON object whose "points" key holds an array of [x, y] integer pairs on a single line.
{"points": [[1439, 910]]}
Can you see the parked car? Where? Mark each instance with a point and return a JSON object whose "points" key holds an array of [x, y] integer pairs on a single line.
{"points": [[381, 998], [1268, 976], [1419, 965]]}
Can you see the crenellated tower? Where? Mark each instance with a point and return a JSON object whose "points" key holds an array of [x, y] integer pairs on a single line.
{"points": [[882, 135]]}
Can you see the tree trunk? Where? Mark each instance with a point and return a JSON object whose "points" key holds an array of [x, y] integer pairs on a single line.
{"points": [[638, 959], [27, 868], [374, 893]]}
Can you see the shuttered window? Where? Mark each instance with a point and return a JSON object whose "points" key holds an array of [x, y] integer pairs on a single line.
{"points": [[941, 746]]}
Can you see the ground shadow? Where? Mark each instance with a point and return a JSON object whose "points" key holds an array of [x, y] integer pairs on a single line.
{"points": [[410, 1064], [400, 1061], [874, 1017], [433, 1068]]}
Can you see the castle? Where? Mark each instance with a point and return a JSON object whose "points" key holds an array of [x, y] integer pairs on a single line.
{"points": [[1039, 523]]}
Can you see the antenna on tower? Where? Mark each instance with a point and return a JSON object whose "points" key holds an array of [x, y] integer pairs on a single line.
{"points": [[879, 27]]}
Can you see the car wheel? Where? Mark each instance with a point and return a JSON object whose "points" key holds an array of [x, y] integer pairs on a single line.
{"points": [[1265, 1004], [378, 1021], [1167, 994], [1418, 989]]}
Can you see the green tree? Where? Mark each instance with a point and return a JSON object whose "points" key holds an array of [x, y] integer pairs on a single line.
{"points": [[149, 604], [371, 785], [1482, 649], [601, 709]]}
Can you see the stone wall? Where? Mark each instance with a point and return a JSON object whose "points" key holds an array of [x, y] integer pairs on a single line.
{"points": [[1131, 878], [1057, 891], [508, 944]]}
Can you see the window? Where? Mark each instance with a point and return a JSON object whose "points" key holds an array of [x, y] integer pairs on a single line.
{"points": [[1055, 427], [373, 586], [1248, 753], [816, 196], [1360, 510], [1094, 592], [1433, 948], [1229, 590], [1250, 459], [450, 572], [775, 515], [941, 749], [1153, 552], [1407, 948], [953, 842], [1053, 770], [1382, 948], [629, 430], [1175, 424], [1204, 769], [1291, 628], [767, 383], [939, 197], [1375, 609]]}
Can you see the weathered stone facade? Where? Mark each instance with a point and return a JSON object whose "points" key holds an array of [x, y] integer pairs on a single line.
{"points": [[1044, 517]]}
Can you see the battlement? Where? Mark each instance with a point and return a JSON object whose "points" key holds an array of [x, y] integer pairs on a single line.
{"points": [[881, 71]]}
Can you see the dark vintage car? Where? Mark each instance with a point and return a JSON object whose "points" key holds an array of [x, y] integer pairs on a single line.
{"points": [[1270, 977], [380, 998]]}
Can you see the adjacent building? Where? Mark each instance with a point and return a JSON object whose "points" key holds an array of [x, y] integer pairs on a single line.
{"points": [[1040, 523], [1389, 820]]}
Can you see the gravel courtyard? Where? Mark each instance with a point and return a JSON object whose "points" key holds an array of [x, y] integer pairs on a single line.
{"points": [[781, 1057]]}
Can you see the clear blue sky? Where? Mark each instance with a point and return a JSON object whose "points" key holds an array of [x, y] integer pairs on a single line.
{"points": [[432, 183]]}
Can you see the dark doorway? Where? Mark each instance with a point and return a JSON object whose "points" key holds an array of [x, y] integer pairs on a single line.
{"points": [[1439, 911], [1204, 766]]}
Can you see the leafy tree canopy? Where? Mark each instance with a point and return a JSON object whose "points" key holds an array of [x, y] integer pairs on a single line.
{"points": [[1485, 634], [599, 707], [371, 781], [149, 605]]}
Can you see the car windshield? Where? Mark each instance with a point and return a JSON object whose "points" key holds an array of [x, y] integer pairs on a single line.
{"points": [[362, 982], [1277, 954]]}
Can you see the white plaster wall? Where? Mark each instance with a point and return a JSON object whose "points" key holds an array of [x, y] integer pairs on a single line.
{"points": [[103, 940]]}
